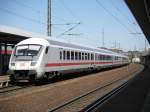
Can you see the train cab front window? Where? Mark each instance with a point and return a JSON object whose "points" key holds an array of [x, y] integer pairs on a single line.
{"points": [[27, 50]]}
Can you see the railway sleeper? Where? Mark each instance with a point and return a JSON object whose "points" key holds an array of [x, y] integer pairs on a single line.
{"points": [[4, 83]]}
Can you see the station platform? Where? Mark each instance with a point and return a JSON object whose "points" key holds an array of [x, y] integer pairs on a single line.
{"points": [[146, 107], [134, 98], [4, 77]]}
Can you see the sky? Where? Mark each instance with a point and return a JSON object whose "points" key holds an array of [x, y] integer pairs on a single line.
{"points": [[110, 19]]}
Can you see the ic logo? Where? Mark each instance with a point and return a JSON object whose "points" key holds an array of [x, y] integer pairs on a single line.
{"points": [[22, 64]]}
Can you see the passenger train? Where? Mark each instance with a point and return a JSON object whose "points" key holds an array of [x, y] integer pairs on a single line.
{"points": [[37, 58]]}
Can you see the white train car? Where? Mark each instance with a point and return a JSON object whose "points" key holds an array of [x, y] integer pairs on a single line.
{"points": [[136, 60], [37, 58]]}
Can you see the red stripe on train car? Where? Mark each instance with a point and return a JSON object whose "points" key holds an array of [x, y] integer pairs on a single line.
{"points": [[71, 64]]}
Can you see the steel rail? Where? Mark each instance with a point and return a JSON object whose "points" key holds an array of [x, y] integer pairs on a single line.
{"points": [[98, 103], [12, 88]]}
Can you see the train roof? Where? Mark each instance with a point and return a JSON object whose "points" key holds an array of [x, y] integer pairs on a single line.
{"points": [[78, 46], [39, 41], [63, 44]]}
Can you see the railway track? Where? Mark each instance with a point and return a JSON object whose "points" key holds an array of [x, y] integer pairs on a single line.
{"points": [[69, 105], [96, 106], [98, 103], [12, 88]]}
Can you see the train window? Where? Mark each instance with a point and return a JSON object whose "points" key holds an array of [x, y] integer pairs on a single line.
{"points": [[105, 57], [85, 56], [109, 57], [96, 56], [46, 50], [68, 55], [64, 55], [92, 57], [88, 56], [76, 55], [100, 57], [82, 56], [72, 55], [116, 58], [60, 54], [79, 55]]}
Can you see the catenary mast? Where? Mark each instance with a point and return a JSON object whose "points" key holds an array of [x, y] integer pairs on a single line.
{"points": [[49, 24]]}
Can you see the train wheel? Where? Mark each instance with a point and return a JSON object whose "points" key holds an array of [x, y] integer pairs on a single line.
{"points": [[58, 75], [12, 79], [51, 75], [33, 78]]}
